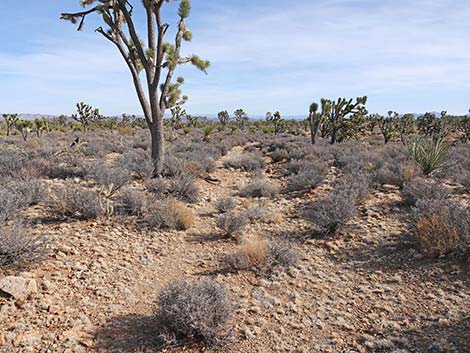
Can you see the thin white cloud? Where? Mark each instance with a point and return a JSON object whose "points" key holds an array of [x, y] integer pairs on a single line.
{"points": [[283, 55]]}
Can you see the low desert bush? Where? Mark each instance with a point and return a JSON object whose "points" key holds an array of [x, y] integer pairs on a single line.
{"points": [[262, 214], [307, 178], [441, 226], [132, 202], [233, 223], [423, 189], [260, 187], [195, 311], [333, 212], [246, 162], [11, 203], [260, 255], [181, 187], [169, 214], [225, 205], [279, 155], [137, 161], [12, 162], [31, 191], [75, 201], [19, 248], [392, 173], [110, 177]]}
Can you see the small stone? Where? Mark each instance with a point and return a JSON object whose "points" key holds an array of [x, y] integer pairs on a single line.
{"points": [[18, 287]]}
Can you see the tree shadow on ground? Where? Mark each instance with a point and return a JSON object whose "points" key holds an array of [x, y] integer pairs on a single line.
{"points": [[399, 254]]}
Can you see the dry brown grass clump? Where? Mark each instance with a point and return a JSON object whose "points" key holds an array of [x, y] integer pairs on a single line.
{"points": [[441, 227], [259, 255], [171, 214]]}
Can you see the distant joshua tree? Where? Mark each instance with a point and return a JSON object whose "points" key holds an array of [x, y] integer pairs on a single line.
{"points": [[224, 117], [240, 117], [10, 120], [155, 57], [87, 115]]}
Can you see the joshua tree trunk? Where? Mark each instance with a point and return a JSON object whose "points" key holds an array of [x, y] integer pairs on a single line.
{"points": [[155, 58], [157, 148]]}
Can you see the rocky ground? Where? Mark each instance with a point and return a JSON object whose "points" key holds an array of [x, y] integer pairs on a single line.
{"points": [[367, 290]]}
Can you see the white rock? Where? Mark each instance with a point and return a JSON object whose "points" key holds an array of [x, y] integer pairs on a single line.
{"points": [[18, 287]]}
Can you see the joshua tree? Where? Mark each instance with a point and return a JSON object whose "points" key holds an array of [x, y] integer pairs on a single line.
{"points": [[177, 114], [277, 121], [224, 117], [156, 58], [41, 125], [317, 119], [345, 118], [240, 117], [86, 115], [10, 120], [430, 125], [407, 127], [389, 126], [24, 127]]}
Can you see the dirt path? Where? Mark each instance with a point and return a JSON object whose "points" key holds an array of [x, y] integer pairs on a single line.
{"points": [[365, 291]]}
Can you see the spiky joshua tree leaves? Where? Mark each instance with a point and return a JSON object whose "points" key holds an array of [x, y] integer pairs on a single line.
{"points": [[318, 119], [156, 58], [10, 120], [389, 126], [86, 116]]}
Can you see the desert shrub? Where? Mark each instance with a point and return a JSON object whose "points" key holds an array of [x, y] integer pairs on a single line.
{"points": [[245, 161], [132, 202], [19, 248], [75, 201], [31, 191], [181, 187], [393, 173], [232, 223], [11, 203], [11, 162], [262, 214], [169, 214], [429, 154], [355, 185], [333, 212], [282, 254], [307, 178], [279, 155], [260, 187], [423, 189], [195, 311], [225, 205], [137, 161], [64, 168], [441, 226], [260, 255], [108, 176]]}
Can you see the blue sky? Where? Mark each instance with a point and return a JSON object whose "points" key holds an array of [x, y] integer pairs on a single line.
{"points": [[266, 55]]}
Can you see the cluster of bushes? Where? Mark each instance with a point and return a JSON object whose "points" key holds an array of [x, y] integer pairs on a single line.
{"points": [[19, 246]]}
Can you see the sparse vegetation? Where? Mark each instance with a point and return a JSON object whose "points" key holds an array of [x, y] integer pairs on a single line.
{"points": [[260, 187], [170, 214], [195, 311], [19, 248]]}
